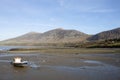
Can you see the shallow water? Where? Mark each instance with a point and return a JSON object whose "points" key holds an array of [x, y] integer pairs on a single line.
{"points": [[7, 61], [15, 54], [92, 62], [4, 48], [57, 67]]}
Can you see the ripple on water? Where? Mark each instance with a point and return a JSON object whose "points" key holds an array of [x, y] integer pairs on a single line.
{"points": [[92, 62], [8, 55]]}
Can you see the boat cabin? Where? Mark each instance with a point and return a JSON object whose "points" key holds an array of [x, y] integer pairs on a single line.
{"points": [[17, 60]]}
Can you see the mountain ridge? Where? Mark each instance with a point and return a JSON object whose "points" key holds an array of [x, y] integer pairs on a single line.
{"points": [[62, 36], [105, 35], [52, 36]]}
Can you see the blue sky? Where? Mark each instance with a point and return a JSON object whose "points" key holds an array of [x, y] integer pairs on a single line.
{"points": [[18, 17]]}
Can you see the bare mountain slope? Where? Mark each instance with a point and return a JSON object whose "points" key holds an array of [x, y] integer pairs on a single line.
{"points": [[110, 34], [52, 36], [61, 35], [28, 37]]}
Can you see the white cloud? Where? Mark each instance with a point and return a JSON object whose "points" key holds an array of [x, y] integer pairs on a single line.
{"points": [[102, 10], [90, 6], [61, 2]]}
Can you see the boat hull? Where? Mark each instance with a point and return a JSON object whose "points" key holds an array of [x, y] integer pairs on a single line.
{"points": [[22, 64]]}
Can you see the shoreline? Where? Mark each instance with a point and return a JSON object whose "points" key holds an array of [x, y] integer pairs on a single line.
{"points": [[66, 50]]}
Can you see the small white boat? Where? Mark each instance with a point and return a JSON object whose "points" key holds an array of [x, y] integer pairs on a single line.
{"points": [[17, 61]]}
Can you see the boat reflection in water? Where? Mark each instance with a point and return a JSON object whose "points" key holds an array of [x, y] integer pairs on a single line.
{"points": [[17, 62]]}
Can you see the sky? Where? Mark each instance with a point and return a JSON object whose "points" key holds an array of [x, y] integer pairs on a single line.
{"points": [[18, 17]]}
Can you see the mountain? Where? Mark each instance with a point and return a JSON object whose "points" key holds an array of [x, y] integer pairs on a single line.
{"points": [[52, 36], [28, 37], [61, 35], [106, 35]]}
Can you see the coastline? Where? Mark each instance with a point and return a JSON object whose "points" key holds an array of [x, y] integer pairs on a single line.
{"points": [[66, 50]]}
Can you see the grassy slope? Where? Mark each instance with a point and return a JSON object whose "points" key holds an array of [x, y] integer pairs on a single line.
{"points": [[112, 43]]}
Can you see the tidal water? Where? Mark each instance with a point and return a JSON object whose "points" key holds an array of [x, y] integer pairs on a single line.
{"points": [[11, 47], [47, 66]]}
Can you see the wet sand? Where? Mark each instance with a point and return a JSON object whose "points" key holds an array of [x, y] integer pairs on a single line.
{"points": [[61, 66]]}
